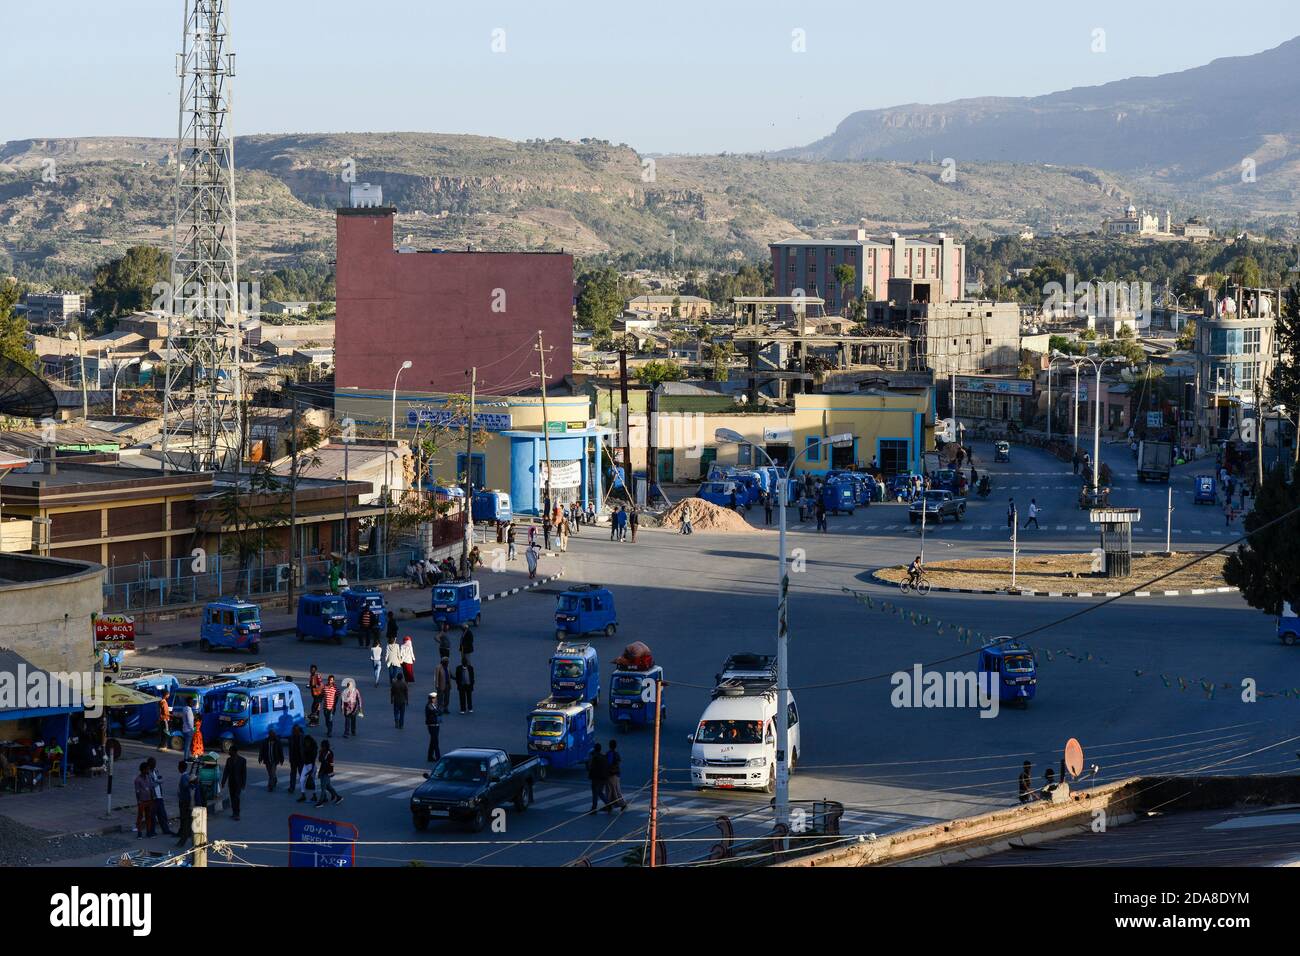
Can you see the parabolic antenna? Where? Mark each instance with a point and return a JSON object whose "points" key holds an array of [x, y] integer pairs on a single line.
{"points": [[23, 393]]}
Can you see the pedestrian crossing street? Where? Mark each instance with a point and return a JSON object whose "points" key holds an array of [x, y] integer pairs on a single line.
{"points": [[687, 807]]}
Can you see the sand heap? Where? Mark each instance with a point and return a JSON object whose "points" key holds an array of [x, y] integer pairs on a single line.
{"points": [[704, 517]]}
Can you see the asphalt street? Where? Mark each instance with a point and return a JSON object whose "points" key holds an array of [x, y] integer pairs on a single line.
{"points": [[1125, 679]]}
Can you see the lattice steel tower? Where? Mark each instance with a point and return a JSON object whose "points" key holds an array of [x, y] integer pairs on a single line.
{"points": [[201, 408]]}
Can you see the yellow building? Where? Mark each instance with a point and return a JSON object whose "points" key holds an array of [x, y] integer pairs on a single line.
{"points": [[893, 429]]}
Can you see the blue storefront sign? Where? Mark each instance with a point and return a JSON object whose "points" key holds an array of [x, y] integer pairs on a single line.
{"points": [[443, 418], [314, 842]]}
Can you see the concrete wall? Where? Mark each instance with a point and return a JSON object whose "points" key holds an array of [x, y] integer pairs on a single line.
{"points": [[45, 610]]}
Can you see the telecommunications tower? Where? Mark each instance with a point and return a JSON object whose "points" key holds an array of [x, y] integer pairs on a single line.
{"points": [[201, 406]]}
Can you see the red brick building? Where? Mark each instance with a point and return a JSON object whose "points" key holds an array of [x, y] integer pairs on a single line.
{"points": [[445, 312]]}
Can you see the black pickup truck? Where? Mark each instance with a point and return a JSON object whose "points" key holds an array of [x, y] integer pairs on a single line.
{"points": [[466, 785], [938, 505]]}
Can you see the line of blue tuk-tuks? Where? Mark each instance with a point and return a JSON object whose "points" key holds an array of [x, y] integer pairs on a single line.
{"points": [[240, 704], [561, 728]]}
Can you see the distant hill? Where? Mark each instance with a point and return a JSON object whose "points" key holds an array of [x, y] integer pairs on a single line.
{"points": [[1183, 133], [591, 198]]}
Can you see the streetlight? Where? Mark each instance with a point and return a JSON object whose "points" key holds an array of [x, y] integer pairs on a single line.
{"points": [[388, 470], [1074, 362], [730, 436], [127, 364], [81, 356], [1098, 364], [1052, 360]]}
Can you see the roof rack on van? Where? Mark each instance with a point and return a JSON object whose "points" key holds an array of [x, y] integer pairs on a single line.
{"points": [[553, 703], [242, 668], [736, 688], [748, 666], [210, 680], [135, 673], [264, 679], [577, 648], [583, 587]]}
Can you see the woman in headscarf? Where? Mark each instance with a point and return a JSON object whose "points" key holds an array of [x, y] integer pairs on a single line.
{"points": [[531, 556], [351, 707], [442, 684], [408, 659]]}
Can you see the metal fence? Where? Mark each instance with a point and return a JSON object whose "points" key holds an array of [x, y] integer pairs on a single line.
{"points": [[153, 585]]}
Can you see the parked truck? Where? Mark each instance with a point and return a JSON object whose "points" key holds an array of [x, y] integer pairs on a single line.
{"points": [[468, 784], [1154, 459]]}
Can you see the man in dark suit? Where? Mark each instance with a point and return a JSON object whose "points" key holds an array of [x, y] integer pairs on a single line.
{"points": [[234, 777]]}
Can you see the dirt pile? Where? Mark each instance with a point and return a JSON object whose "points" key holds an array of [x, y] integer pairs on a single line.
{"points": [[704, 517]]}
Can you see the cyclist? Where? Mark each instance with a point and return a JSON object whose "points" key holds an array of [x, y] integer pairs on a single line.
{"points": [[914, 571]]}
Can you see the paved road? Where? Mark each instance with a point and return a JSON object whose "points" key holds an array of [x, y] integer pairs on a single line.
{"points": [[1110, 677]]}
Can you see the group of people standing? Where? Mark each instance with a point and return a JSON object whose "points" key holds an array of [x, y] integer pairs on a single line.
{"points": [[624, 521]]}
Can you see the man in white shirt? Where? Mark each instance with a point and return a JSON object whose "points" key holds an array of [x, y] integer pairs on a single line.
{"points": [[1033, 514]]}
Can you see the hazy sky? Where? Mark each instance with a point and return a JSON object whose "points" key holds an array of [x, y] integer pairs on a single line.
{"points": [[662, 75]]}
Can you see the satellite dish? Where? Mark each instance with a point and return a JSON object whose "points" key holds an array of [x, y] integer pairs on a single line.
{"points": [[23, 394], [1074, 757]]}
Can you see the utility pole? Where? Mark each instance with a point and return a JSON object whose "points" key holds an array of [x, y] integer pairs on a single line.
{"points": [[546, 423], [1015, 543], [293, 499], [654, 778], [469, 462], [347, 527], [200, 828], [1169, 521], [624, 420], [1076, 408], [652, 447]]}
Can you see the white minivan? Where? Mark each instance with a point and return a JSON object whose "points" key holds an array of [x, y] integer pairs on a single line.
{"points": [[734, 745]]}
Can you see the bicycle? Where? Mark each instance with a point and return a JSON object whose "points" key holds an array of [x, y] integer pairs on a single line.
{"points": [[921, 586]]}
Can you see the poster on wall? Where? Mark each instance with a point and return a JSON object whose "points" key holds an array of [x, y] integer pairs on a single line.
{"points": [[114, 632], [564, 474]]}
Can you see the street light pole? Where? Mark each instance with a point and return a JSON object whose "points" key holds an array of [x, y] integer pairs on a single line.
{"points": [[782, 801]]}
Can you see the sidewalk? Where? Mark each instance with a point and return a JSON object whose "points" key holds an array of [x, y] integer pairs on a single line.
{"points": [[408, 601]]}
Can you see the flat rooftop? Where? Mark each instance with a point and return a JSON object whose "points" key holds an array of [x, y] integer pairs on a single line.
{"points": [[1263, 836]]}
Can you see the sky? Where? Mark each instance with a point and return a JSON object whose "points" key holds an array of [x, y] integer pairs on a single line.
{"points": [[664, 76]]}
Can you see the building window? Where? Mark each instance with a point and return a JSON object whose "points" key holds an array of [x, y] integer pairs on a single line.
{"points": [[744, 454], [814, 452], [894, 457], [1250, 341]]}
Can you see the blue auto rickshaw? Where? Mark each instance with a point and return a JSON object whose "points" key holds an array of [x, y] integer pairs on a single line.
{"points": [[839, 495], [562, 732], [252, 708], [1288, 625], [575, 672], [946, 479], [204, 694], [492, 506], [357, 599], [1002, 451], [632, 696], [1205, 490], [1014, 668], [322, 616], [231, 622], [457, 603], [585, 609], [140, 719], [748, 488], [112, 658], [719, 493]]}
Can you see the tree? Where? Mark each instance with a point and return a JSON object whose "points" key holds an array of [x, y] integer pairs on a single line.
{"points": [[656, 371], [247, 514], [1187, 336], [13, 329], [1284, 380], [845, 275], [1267, 566], [126, 284], [1245, 270]]}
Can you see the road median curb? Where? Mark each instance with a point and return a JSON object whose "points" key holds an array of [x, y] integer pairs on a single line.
{"points": [[1026, 592]]}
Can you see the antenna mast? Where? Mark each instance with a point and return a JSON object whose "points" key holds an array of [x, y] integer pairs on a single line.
{"points": [[201, 428]]}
